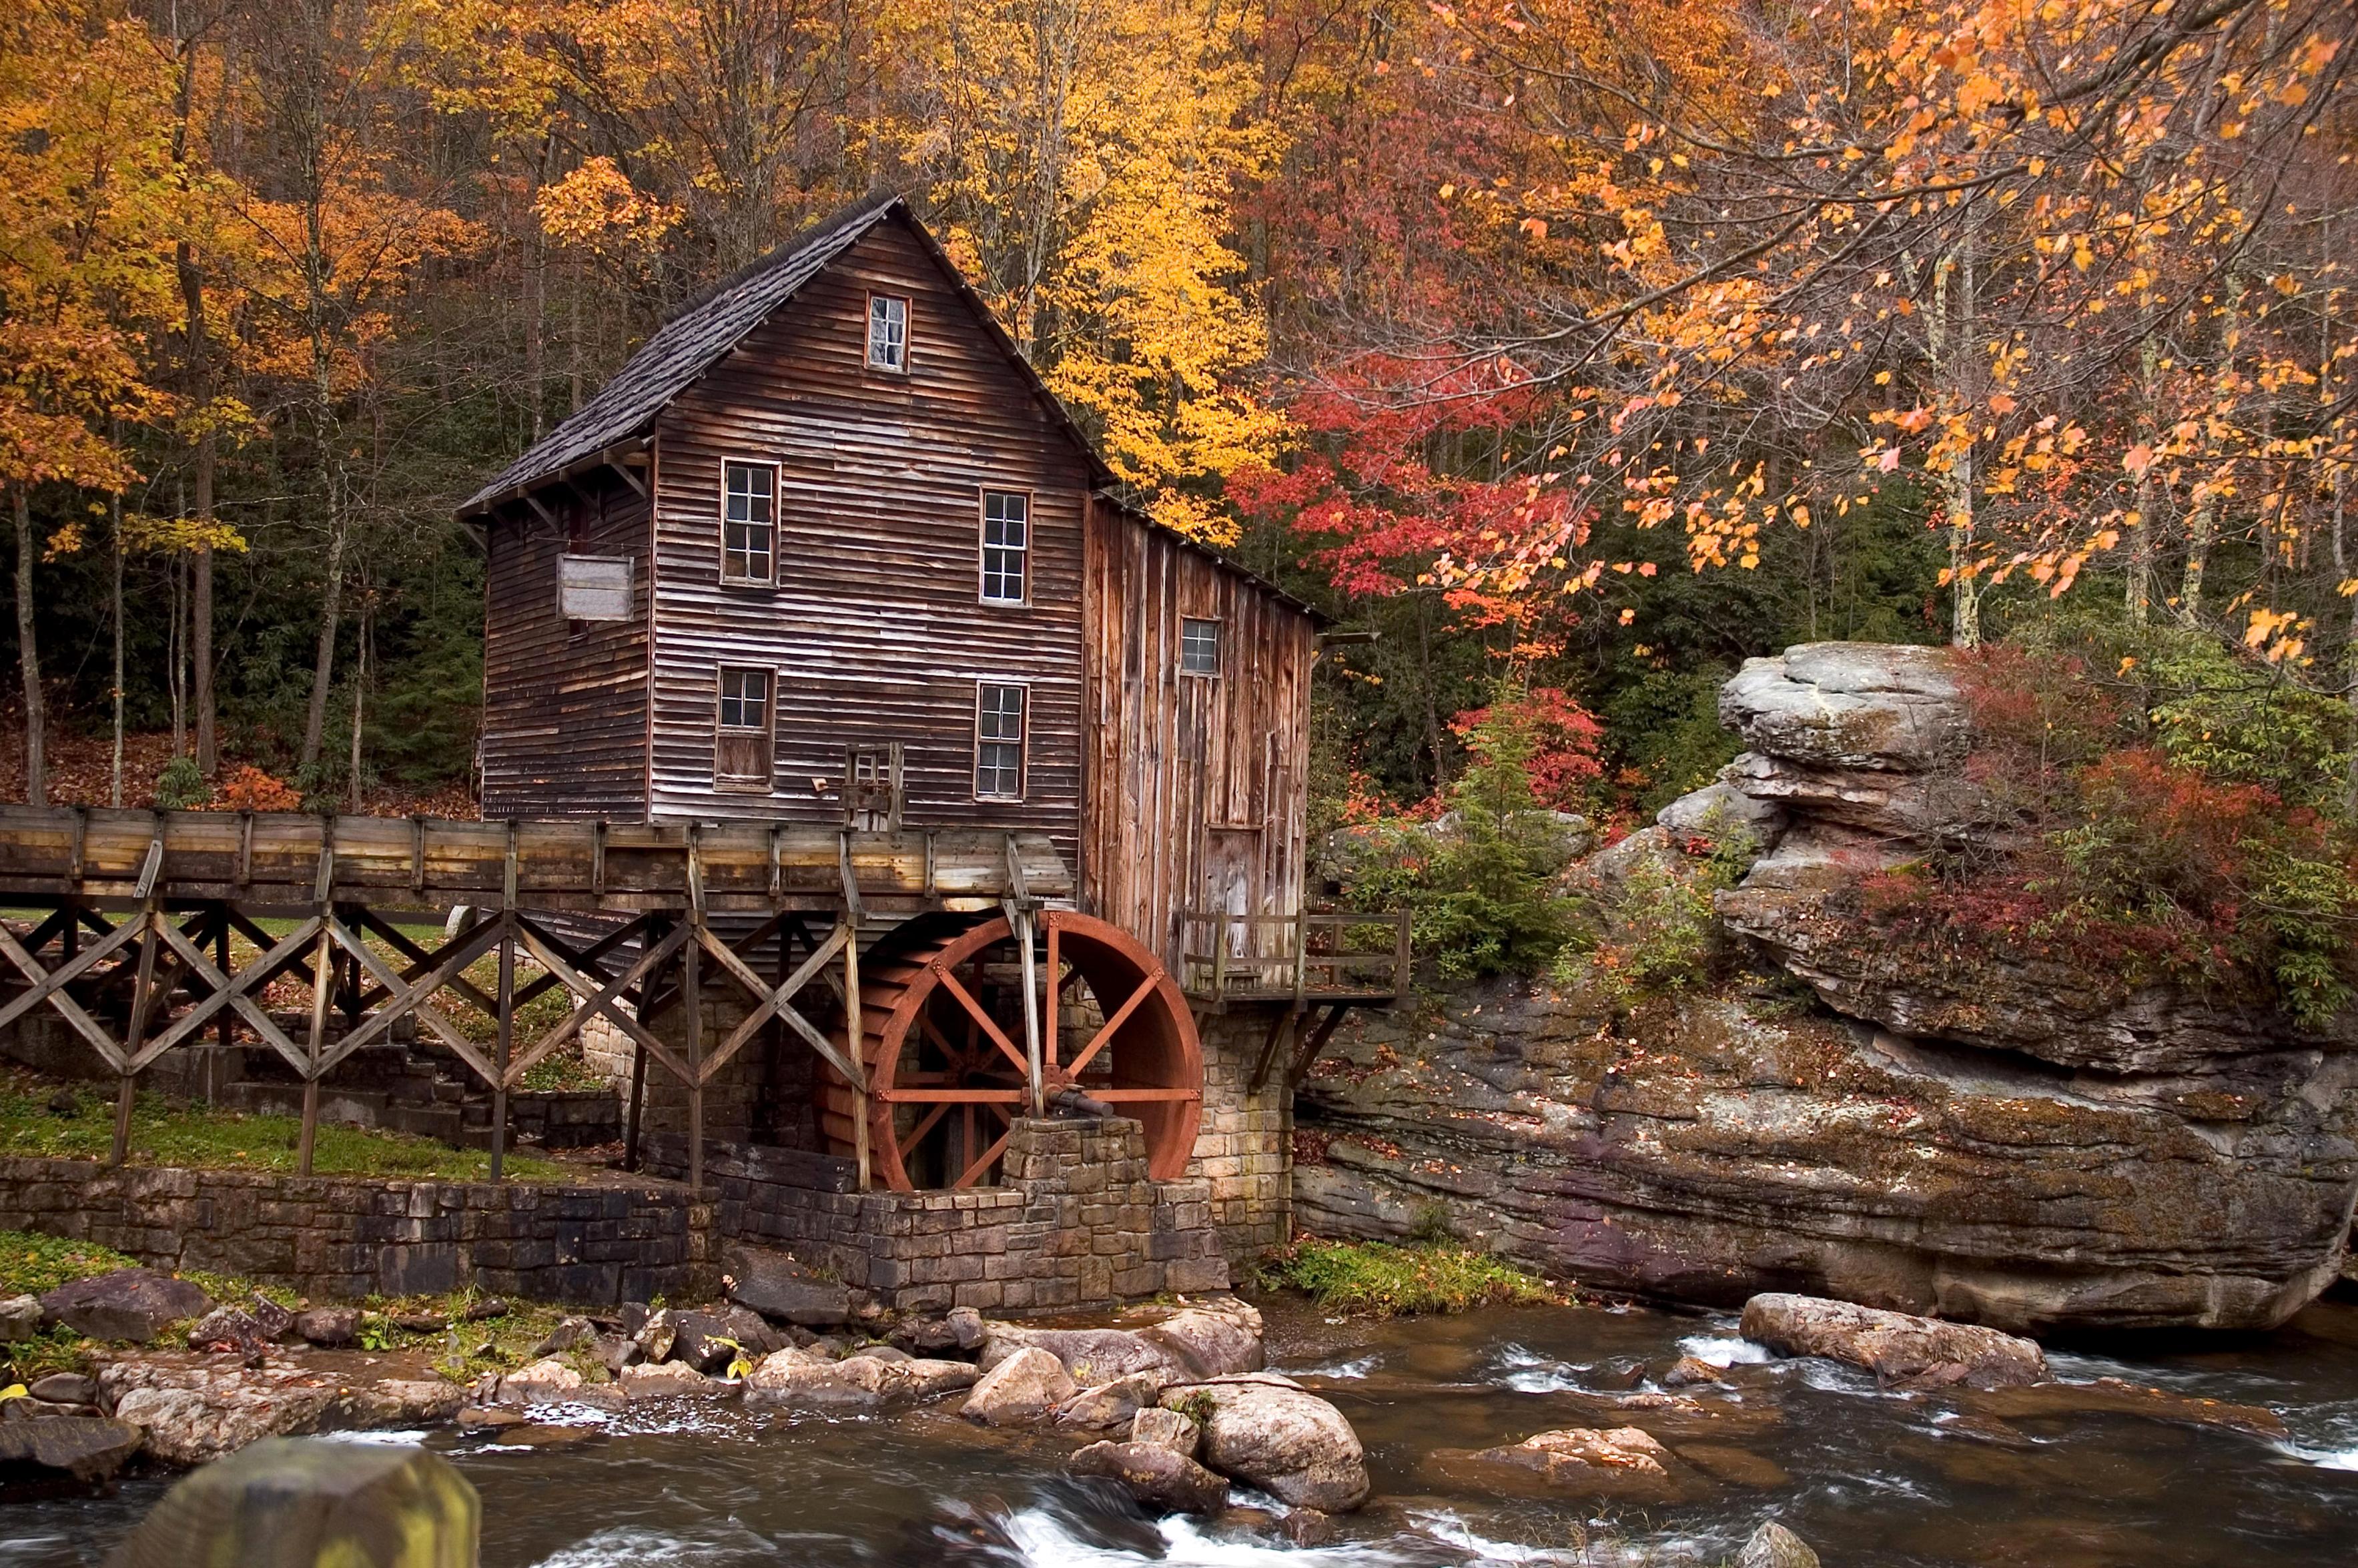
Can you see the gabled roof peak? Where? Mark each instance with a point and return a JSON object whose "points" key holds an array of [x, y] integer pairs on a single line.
{"points": [[704, 329]]}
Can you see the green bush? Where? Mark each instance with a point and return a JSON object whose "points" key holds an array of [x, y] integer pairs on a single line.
{"points": [[181, 787], [1374, 1278], [1662, 931]]}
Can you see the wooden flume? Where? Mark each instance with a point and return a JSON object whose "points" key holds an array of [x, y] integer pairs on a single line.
{"points": [[132, 902]]}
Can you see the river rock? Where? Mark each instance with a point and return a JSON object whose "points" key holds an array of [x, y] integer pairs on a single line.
{"points": [[671, 1380], [1157, 1476], [1901, 1350], [568, 1333], [657, 1335], [1580, 1456], [1690, 1370], [309, 1502], [774, 1285], [1110, 1406], [329, 1327], [192, 1415], [82, 1448], [795, 1379], [1269, 1432], [229, 1330], [545, 1382], [1212, 1340], [2112, 1396], [1774, 1546], [132, 1305], [20, 1318], [65, 1389], [1174, 1429], [706, 1341], [1025, 1386]]}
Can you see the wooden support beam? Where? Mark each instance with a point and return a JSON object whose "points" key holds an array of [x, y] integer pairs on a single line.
{"points": [[692, 994], [855, 1037], [504, 1044]]}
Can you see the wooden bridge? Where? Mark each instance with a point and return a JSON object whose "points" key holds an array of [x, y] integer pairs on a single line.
{"points": [[135, 914]]}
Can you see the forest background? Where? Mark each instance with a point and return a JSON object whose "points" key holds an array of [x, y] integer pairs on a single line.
{"points": [[1577, 349]]}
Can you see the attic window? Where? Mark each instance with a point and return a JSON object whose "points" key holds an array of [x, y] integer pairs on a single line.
{"points": [[888, 332], [1200, 647]]}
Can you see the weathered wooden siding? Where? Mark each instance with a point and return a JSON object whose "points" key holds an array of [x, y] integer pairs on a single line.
{"points": [[564, 710], [875, 628], [1198, 786]]}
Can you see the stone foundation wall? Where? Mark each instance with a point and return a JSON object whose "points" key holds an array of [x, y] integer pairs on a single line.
{"points": [[1076, 1223], [1244, 1147], [341, 1238]]}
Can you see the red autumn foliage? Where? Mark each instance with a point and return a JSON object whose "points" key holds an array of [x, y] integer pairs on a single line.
{"points": [[1564, 738], [251, 789]]}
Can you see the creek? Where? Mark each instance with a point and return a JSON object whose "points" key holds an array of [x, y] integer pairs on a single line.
{"points": [[1867, 1476]]}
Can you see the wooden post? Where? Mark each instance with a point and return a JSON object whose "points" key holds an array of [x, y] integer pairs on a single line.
{"points": [[1018, 919], [855, 1035], [1300, 956], [322, 994], [691, 1001], [506, 1043], [1218, 921], [141, 1000], [653, 934]]}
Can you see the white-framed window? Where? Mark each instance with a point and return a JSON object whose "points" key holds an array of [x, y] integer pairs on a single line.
{"points": [[888, 332], [749, 522], [1199, 647], [1006, 546], [742, 754], [999, 719]]}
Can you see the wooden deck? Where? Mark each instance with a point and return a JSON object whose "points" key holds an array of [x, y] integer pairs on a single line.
{"points": [[1297, 967], [136, 914]]}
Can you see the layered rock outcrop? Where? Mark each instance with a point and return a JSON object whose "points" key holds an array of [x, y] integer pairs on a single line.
{"points": [[2015, 1140]]}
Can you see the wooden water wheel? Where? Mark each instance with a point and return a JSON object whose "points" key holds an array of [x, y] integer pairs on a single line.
{"points": [[943, 1036]]}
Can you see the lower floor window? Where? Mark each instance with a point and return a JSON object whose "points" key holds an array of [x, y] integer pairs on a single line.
{"points": [[741, 752], [999, 741]]}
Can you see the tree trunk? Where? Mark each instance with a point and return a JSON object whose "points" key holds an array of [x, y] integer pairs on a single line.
{"points": [[323, 662], [1964, 588], [359, 694], [2140, 600], [114, 787], [37, 716], [2202, 528]]}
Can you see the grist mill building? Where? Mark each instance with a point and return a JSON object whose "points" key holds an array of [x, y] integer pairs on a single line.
{"points": [[826, 552]]}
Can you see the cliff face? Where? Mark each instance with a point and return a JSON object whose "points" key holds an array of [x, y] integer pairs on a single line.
{"points": [[2017, 1142]]}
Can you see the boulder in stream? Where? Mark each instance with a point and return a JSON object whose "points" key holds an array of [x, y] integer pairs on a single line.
{"points": [[1213, 1339], [1901, 1350], [1774, 1546], [1025, 1386], [80, 1449], [1160, 1478], [1269, 1432]]}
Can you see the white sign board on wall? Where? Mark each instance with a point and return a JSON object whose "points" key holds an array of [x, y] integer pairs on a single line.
{"points": [[594, 588]]}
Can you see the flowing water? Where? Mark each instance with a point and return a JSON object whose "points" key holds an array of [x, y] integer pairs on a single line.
{"points": [[1867, 1476]]}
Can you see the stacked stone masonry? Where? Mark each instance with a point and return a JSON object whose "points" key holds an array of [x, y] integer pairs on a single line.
{"points": [[341, 1238], [1075, 1222]]}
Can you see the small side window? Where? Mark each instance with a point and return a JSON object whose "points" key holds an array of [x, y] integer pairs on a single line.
{"points": [[1200, 647], [999, 741], [742, 755], [1006, 546], [749, 522], [888, 332]]}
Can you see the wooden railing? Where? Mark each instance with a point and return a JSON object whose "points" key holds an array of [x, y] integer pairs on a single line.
{"points": [[1313, 956]]}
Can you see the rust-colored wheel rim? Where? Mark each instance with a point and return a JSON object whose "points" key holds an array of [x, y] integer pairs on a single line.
{"points": [[943, 1039]]}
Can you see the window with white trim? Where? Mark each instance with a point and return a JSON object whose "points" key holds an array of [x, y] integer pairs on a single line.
{"points": [[749, 522], [888, 332], [999, 741], [1006, 546], [1200, 647]]}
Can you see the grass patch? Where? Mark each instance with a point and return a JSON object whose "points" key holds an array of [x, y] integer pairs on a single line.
{"points": [[34, 1265], [1375, 1279], [169, 1132]]}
